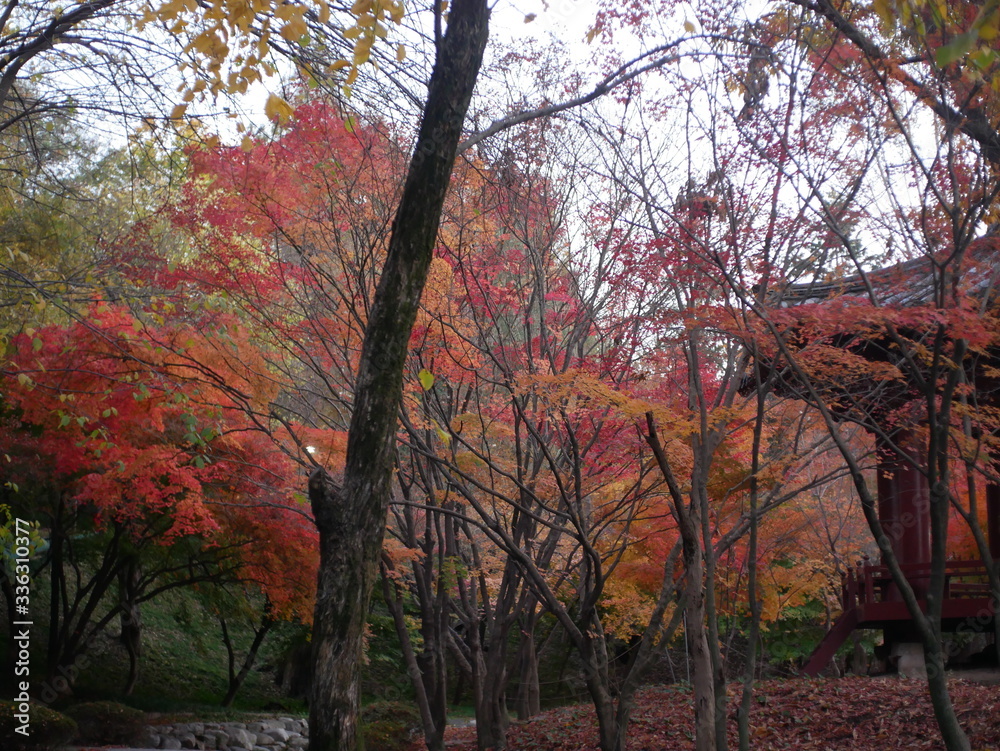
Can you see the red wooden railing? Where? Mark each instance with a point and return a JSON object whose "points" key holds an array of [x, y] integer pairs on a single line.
{"points": [[869, 583]]}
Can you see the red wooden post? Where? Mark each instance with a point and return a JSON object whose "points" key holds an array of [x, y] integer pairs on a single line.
{"points": [[904, 509]]}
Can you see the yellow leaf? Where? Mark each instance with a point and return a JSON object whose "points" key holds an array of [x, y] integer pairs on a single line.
{"points": [[530, 17], [884, 9], [401, 53], [294, 29], [247, 143], [689, 27], [278, 109], [362, 50], [177, 113]]}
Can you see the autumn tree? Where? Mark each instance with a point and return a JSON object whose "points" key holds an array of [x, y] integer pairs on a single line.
{"points": [[819, 108], [510, 338], [145, 480], [717, 227]]}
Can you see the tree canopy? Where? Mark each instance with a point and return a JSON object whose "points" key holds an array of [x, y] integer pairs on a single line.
{"points": [[534, 357]]}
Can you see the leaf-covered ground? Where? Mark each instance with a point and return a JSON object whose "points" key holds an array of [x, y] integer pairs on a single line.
{"points": [[860, 714]]}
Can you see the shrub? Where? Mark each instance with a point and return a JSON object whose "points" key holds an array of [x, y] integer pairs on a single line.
{"points": [[107, 722], [47, 729], [389, 725]]}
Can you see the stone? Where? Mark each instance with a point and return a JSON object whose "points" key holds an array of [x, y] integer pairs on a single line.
{"points": [[170, 742], [210, 741], [278, 734], [188, 740], [242, 738], [264, 740], [256, 727], [221, 738], [910, 663], [298, 741]]}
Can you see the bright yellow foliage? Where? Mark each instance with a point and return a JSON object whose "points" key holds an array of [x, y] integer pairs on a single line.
{"points": [[229, 40]]}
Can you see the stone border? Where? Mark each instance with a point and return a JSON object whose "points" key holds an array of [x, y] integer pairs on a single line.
{"points": [[279, 734]]}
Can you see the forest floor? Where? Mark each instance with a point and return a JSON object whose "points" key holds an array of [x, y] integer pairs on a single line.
{"points": [[856, 713]]}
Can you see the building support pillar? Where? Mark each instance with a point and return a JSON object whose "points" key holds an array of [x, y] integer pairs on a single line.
{"points": [[904, 512]]}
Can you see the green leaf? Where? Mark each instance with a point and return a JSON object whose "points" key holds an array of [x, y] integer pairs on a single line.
{"points": [[426, 379], [956, 48]]}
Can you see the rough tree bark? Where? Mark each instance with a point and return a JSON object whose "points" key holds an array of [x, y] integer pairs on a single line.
{"points": [[130, 620], [351, 516]]}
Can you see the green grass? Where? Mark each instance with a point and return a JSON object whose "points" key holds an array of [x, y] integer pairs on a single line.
{"points": [[183, 667]]}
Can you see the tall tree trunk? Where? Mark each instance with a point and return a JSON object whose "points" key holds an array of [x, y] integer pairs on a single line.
{"points": [[593, 650], [489, 681], [720, 696], [236, 679], [351, 518], [695, 628], [426, 695], [130, 620], [703, 685], [746, 697], [528, 693]]}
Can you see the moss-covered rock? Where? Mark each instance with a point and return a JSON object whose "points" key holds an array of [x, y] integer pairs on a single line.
{"points": [[389, 725], [108, 722], [40, 730]]}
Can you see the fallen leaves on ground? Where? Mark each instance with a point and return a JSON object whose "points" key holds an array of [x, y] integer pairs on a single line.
{"points": [[856, 713]]}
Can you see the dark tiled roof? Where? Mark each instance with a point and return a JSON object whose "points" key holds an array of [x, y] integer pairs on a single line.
{"points": [[913, 283]]}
